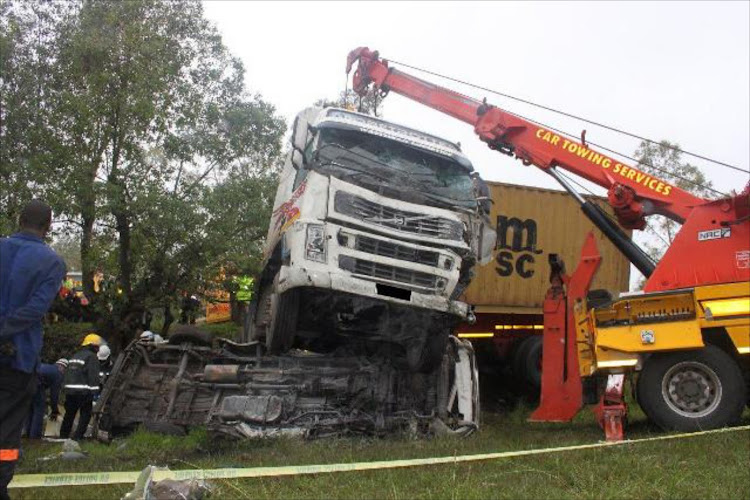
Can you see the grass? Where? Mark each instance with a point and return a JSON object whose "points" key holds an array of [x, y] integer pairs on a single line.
{"points": [[713, 466]]}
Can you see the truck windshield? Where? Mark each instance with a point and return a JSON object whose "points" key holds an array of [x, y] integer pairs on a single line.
{"points": [[409, 173]]}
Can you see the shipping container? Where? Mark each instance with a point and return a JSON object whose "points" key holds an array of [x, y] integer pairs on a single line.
{"points": [[507, 294], [531, 224]]}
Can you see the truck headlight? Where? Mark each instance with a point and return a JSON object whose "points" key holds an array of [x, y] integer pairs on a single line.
{"points": [[315, 243]]}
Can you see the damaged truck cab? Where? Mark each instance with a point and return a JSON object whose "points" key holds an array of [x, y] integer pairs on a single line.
{"points": [[374, 233]]}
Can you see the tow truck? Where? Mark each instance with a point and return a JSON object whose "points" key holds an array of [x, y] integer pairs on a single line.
{"points": [[686, 335]]}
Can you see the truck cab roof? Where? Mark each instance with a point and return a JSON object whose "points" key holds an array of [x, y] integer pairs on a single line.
{"points": [[345, 119]]}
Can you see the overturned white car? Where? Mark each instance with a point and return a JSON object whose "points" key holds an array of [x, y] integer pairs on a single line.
{"points": [[170, 387]]}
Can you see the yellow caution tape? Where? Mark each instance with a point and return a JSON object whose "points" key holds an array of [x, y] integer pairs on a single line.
{"points": [[94, 478]]}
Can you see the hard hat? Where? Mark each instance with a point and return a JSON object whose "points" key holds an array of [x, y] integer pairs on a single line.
{"points": [[103, 353], [62, 362], [194, 297], [92, 339], [147, 335]]}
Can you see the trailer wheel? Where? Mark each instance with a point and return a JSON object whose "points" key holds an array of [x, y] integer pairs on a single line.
{"points": [[527, 361], [692, 390], [532, 362], [427, 355]]}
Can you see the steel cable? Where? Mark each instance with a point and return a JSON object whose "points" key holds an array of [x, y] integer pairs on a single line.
{"points": [[602, 125]]}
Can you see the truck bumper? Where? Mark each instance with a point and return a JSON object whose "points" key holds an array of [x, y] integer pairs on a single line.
{"points": [[299, 276]]}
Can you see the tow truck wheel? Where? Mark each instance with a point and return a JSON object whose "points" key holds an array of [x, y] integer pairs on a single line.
{"points": [[282, 321], [692, 390]]}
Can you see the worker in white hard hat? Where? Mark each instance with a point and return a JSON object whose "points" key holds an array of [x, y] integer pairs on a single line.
{"points": [[80, 385], [149, 336], [105, 363]]}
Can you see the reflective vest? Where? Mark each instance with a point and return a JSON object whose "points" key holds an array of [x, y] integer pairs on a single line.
{"points": [[244, 288]]}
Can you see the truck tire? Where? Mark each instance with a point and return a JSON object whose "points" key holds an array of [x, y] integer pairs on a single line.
{"points": [[532, 362], [525, 362], [282, 322], [426, 356], [692, 390]]}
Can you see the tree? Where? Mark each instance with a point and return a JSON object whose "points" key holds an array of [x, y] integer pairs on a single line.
{"points": [[162, 102], [69, 248], [664, 160], [146, 132], [26, 55], [371, 103]]}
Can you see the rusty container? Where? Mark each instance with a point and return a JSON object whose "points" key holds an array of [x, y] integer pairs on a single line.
{"points": [[532, 223]]}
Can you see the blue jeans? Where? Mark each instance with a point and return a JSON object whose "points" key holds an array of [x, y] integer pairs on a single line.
{"points": [[36, 416]]}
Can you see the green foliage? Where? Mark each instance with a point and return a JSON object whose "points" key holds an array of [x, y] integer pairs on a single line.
{"points": [[133, 120], [664, 160], [63, 339], [26, 55], [69, 248]]}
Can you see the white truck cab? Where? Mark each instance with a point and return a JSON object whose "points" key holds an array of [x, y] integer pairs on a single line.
{"points": [[374, 232]]}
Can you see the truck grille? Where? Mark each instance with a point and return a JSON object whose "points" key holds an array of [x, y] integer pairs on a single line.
{"points": [[395, 251], [411, 279], [409, 222]]}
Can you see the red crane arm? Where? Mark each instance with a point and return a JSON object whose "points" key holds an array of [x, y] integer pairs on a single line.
{"points": [[633, 194]]}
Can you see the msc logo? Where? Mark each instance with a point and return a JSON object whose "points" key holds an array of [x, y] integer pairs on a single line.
{"points": [[516, 237]]}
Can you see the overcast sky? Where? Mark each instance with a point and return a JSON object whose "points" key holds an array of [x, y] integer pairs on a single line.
{"points": [[672, 70]]}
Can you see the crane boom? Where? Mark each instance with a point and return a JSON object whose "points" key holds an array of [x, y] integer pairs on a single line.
{"points": [[633, 194], [712, 246]]}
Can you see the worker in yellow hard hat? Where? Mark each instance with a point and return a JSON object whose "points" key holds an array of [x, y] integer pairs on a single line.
{"points": [[81, 385]]}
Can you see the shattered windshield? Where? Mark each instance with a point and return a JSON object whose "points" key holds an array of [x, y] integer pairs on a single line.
{"points": [[409, 173]]}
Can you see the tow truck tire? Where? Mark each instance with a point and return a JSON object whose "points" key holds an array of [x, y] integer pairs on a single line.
{"points": [[692, 390], [428, 356], [282, 323]]}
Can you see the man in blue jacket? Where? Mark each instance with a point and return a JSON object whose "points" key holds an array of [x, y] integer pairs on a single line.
{"points": [[30, 276]]}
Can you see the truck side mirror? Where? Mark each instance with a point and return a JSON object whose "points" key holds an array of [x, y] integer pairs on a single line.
{"points": [[487, 241]]}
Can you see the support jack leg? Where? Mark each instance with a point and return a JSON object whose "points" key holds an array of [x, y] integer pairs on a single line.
{"points": [[611, 411]]}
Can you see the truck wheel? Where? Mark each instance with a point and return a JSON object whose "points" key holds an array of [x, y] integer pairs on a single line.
{"points": [[692, 390], [525, 359], [532, 362], [282, 322], [426, 356]]}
